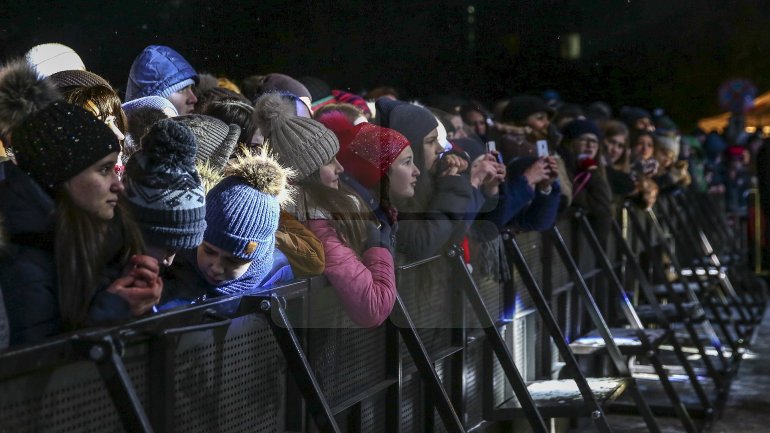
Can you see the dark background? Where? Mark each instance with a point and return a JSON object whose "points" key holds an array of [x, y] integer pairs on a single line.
{"points": [[653, 53]]}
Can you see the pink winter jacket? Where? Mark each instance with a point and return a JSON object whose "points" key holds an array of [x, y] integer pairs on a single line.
{"points": [[366, 286]]}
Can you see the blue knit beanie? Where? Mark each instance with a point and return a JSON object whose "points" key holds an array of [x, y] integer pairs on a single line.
{"points": [[243, 209]]}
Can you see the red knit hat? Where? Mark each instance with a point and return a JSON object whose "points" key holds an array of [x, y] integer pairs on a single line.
{"points": [[366, 150]]}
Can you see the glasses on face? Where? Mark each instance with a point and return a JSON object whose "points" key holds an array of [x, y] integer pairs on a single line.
{"points": [[613, 142]]}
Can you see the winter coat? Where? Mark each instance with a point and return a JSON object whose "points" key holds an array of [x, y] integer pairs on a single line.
{"points": [[184, 284], [596, 199], [27, 268], [303, 250], [524, 208], [156, 69], [453, 205], [366, 286], [5, 332]]}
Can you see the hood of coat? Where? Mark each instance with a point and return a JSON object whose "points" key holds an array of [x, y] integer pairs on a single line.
{"points": [[156, 69]]}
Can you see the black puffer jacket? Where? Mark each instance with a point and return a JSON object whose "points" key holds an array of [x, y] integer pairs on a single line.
{"points": [[5, 332], [27, 269]]}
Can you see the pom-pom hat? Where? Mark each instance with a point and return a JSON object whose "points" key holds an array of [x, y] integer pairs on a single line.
{"points": [[243, 209], [302, 144], [163, 187], [52, 140], [366, 150]]}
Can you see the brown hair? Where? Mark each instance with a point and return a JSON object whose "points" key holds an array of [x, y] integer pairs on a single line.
{"points": [[347, 209], [613, 128], [104, 99], [82, 247]]}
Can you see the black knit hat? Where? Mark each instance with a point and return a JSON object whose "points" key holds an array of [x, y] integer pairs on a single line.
{"points": [[59, 141], [164, 189], [522, 106], [578, 127]]}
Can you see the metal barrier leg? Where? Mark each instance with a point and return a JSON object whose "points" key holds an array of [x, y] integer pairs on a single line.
{"points": [[704, 300], [653, 354], [681, 312], [297, 362], [116, 378], [497, 344], [593, 311], [401, 319], [543, 308]]}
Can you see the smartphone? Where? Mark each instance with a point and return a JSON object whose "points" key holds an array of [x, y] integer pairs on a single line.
{"points": [[542, 148], [492, 148]]}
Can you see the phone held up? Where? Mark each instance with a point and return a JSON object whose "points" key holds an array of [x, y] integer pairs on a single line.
{"points": [[492, 148], [542, 148]]}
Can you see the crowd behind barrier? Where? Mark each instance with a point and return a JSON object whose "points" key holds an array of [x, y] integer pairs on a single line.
{"points": [[218, 366], [474, 266]]}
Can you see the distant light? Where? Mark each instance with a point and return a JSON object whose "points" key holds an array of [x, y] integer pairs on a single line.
{"points": [[471, 9], [570, 46], [766, 129], [751, 129], [471, 19]]}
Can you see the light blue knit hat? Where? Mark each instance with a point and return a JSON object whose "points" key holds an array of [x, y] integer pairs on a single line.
{"points": [[243, 209], [150, 102]]}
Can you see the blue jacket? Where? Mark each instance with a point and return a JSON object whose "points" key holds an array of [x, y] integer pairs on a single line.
{"points": [[27, 268], [524, 208], [155, 70], [184, 284]]}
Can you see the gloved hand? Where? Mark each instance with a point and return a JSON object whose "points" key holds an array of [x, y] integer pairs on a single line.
{"points": [[379, 236]]}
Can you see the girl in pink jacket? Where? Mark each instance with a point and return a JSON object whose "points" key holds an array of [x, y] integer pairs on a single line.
{"points": [[357, 244]]}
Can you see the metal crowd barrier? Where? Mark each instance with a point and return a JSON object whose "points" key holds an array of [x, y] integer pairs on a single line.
{"points": [[290, 360]]}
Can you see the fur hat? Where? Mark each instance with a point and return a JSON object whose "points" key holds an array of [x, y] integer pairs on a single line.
{"points": [[48, 59], [216, 139], [366, 150], [52, 140], [243, 209], [298, 142], [164, 189]]}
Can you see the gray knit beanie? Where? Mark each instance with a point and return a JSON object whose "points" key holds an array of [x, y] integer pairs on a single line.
{"points": [[216, 139], [164, 189], [297, 142]]}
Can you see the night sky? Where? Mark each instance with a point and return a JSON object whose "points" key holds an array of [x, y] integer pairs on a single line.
{"points": [[653, 53]]}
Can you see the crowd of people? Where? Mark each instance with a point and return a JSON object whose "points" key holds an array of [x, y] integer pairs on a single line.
{"points": [[193, 186]]}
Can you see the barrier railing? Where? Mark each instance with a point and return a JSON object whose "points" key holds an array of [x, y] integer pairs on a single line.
{"points": [[290, 360]]}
